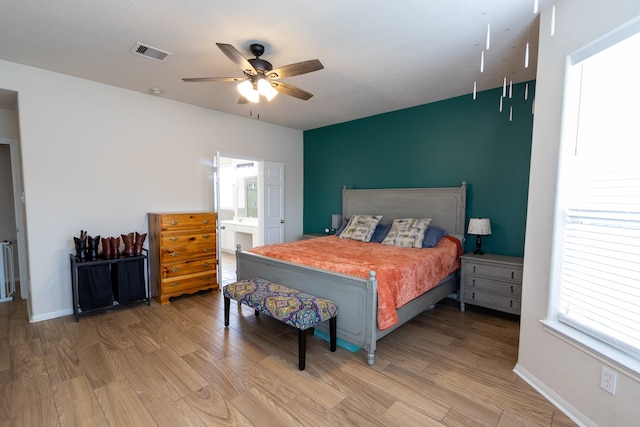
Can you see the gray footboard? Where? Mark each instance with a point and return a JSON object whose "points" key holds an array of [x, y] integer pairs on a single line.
{"points": [[357, 298]]}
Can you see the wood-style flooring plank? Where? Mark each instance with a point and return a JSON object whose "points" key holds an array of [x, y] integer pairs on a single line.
{"points": [[32, 402], [177, 372], [261, 410], [73, 411], [98, 366], [402, 414], [305, 383], [214, 409], [122, 406]]}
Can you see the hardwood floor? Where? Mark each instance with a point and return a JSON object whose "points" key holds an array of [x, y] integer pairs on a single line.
{"points": [[176, 365]]}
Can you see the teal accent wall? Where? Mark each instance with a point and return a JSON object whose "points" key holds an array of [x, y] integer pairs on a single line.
{"points": [[434, 145]]}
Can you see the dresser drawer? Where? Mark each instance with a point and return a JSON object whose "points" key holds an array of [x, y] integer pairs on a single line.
{"points": [[482, 284], [169, 239], [503, 272], [187, 221], [188, 267], [186, 252], [499, 302], [184, 283]]}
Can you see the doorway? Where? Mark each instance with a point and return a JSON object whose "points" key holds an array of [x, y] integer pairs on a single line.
{"points": [[238, 208], [249, 201], [12, 218]]}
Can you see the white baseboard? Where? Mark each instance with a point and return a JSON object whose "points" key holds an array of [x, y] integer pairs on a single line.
{"points": [[52, 315], [568, 409]]}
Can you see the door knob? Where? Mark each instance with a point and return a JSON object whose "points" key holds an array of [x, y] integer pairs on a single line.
{"points": [[282, 221]]}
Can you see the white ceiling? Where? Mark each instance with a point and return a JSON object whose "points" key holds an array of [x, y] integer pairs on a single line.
{"points": [[379, 55]]}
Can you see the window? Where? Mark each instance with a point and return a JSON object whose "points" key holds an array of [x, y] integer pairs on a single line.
{"points": [[597, 248]]}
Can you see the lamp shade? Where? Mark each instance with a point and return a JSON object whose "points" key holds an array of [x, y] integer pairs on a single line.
{"points": [[336, 221], [479, 226]]}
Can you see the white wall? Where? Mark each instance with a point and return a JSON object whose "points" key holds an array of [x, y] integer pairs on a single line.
{"points": [[98, 158], [8, 124], [569, 376]]}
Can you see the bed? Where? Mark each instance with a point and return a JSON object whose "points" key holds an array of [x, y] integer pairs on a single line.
{"points": [[357, 297]]}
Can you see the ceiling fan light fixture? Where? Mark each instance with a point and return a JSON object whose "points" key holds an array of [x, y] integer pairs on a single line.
{"points": [[246, 89], [265, 89]]}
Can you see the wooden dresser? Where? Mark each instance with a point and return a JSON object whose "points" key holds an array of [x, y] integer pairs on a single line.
{"points": [[492, 281], [182, 253]]}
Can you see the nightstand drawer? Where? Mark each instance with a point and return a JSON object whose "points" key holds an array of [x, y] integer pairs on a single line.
{"points": [[494, 271], [495, 286], [498, 302]]}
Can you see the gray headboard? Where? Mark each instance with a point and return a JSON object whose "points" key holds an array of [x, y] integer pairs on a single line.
{"points": [[446, 206]]}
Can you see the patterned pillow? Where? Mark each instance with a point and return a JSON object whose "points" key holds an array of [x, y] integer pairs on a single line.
{"points": [[361, 227], [407, 232]]}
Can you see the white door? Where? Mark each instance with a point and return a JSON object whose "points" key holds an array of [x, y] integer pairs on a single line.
{"points": [[216, 208], [273, 184]]}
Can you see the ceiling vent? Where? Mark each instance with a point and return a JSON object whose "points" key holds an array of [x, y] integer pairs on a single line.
{"points": [[149, 52]]}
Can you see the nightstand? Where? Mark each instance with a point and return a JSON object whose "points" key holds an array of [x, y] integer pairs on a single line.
{"points": [[492, 281]]}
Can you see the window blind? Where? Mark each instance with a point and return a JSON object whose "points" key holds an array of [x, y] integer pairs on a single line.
{"points": [[600, 267]]}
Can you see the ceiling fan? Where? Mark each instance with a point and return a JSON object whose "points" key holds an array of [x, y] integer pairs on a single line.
{"points": [[260, 78]]}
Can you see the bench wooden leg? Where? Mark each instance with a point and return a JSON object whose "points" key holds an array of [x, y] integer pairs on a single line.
{"points": [[227, 305], [302, 348], [257, 313], [333, 332]]}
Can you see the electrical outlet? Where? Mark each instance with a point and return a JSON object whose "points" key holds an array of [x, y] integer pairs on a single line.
{"points": [[608, 380]]}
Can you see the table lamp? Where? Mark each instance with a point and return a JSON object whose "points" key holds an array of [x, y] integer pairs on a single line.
{"points": [[479, 227]]}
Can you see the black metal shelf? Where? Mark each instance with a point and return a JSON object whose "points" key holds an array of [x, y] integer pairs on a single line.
{"points": [[119, 278]]}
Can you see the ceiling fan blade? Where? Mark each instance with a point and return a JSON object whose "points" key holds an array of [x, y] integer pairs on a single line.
{"points": [[237, 58], [214, 79], [242, 100], [290, 90], [295, 69]]}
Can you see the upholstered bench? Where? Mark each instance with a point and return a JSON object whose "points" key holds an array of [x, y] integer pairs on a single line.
{"points": [[290, 306]]}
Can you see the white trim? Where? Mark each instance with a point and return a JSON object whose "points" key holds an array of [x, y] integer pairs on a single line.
{"points": [[52, 315], [557, 400]]}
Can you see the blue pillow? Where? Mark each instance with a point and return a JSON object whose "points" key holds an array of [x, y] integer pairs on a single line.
{"points": [[342, 227], [380, 233], [432, 237]]}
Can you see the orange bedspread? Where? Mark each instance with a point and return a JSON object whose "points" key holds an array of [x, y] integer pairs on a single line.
{"points": [[403, 273]]}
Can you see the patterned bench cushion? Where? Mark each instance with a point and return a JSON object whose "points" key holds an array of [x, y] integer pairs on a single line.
{"points": [[295, 308]]}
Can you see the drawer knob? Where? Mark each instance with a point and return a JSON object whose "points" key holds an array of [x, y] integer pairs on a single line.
{"points": [[512, 275], [205, 221], [473, 282], [474, 268], [473, 295], [176, 284], [206, 279], [174, 269], [174, 254], [207, 264], [511, 289], [206, 236], [511, 303], [173, 222], [205, 250], [174, 239]]}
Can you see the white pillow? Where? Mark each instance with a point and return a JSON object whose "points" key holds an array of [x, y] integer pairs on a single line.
{"points": [[407, 232], [361, 227]]}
